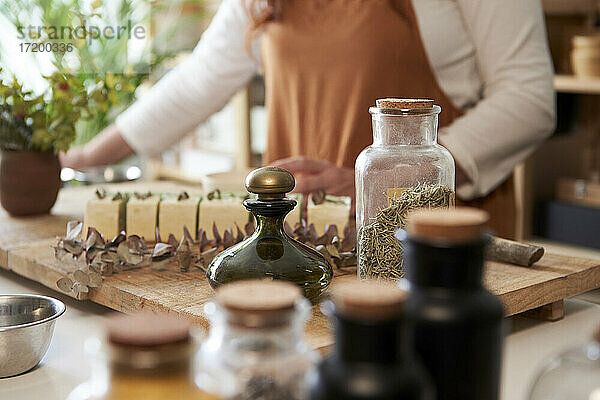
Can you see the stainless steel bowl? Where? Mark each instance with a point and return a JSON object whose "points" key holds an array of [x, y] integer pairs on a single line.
{"points": [[26, 327]]}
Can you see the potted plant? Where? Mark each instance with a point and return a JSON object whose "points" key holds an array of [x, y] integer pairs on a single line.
{"points": [[34, 128]]}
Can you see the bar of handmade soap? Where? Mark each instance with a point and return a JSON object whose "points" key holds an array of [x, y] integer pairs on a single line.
{"points": [[225, 213], [333, 211], [174, 213], [293, 216], [142, 216], [106, 215]]}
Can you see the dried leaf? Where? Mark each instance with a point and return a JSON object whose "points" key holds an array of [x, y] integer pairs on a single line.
{"points": [[101, 193], [349, 240], [332, 250], [106, 269], [183, 196], [249, 228], [216, 234], [135, 259], [318, 197], [146, 261], [161, 249], [142, 196], [123, 252], [94, 239], [118, 196], [81, 276], [187, 235], [117, 240], [288, 229], [65, 284], [95, 279], [80, 290], [347, 259], [239, 235], [134, 243], [227, 239], [109, 257], [173, 241], [311, 234], [183, 256], [74, 247], [59, 252], [336, 242], [215, 194], [91, 254], [209, 255], [203, 242], [74, 229]]}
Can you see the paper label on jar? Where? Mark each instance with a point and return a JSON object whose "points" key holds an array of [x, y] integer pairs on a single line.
{"points": [[394, 193]]}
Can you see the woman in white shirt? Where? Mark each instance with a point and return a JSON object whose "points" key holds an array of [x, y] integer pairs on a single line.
{"points": [[486, 62]]}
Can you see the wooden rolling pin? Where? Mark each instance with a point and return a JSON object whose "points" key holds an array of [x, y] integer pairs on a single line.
{"points": [[508, 251]]}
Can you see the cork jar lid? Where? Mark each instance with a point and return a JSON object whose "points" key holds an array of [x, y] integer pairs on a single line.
{"points": [[458, 225], [369, 300], [147, 330], [258, 303], [404, 104]]}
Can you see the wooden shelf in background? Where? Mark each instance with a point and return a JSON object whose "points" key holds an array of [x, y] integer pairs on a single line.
{"points": [[574, 84]]}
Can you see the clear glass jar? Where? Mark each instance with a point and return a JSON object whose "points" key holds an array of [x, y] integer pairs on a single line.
{"points": [[256, 348], [152, 366], [405, 168], [573, 375]]}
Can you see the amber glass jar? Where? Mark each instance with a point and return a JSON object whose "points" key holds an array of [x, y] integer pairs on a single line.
{"points": [[405, 168], [143, 357], [270, 252], [256, 348]]}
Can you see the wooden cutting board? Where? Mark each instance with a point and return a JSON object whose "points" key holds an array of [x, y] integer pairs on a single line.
{"points": [[25, 249]]}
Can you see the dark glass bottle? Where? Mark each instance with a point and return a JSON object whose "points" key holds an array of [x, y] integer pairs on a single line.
{"points": [[458, 322], [270, 252], [373, 356]]}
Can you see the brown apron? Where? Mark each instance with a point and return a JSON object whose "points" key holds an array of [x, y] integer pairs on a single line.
{"points": [[327, 61]]}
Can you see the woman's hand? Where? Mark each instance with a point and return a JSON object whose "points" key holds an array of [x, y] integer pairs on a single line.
{"points": [[314, 176], [108, 147]]}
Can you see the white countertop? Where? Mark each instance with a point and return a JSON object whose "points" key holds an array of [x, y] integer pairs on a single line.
{"points": [[527, 345]]}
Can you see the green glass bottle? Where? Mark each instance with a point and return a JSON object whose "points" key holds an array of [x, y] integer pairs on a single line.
{"points": [[270, 252]]}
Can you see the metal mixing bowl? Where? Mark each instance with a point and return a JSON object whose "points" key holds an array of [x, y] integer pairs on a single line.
{"points": [[26, 327]]}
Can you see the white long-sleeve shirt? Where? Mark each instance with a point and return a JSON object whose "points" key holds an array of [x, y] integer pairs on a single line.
{"points": [[489, 56]]}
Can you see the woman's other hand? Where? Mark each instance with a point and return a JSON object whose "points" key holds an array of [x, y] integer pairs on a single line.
{"points": [[313, 176]]}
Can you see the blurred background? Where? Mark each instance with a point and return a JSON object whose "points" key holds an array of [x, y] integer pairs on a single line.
{"points": [[558, 186]]}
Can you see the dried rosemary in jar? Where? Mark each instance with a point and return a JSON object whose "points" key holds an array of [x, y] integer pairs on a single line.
{"points": [[405, 168], [380, 253]]}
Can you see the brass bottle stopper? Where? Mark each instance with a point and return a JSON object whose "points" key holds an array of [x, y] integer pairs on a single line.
{"points": [[270, 183]]}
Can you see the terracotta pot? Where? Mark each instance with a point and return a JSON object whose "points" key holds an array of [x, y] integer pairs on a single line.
{"points": [[29, 182]]}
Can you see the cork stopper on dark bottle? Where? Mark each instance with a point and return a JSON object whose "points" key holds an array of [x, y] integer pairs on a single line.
{"points": [[147, 330], [459, 225], [370, 300], [404, 104]]}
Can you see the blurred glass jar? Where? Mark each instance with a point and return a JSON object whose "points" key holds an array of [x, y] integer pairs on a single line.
{"points": [[572, 375], [256, 348], [406, 168], [144, 357]]}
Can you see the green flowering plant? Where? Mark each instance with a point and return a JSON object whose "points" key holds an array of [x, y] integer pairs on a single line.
{"points": [[41, 122]]}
